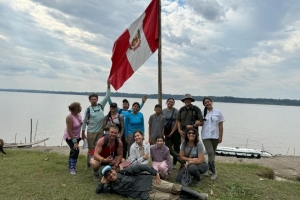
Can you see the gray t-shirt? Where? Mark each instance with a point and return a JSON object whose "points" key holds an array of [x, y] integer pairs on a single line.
{"points": [[156, 123], [195, 151], [168, 113]]}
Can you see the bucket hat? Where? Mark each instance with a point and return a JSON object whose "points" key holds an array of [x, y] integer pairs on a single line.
{"points": [[187, 96]]}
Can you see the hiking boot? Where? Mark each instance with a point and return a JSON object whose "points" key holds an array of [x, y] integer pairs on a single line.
{"points": [[214, 176], [96, 176], [187, 193], [198, 182], [72, 172]]}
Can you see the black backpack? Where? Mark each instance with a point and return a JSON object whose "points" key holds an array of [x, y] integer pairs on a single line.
{"points": [[88, 113], [118, 125]]}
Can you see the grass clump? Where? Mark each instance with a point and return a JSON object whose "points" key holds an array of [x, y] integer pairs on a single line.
{"points": [[37, 175]]}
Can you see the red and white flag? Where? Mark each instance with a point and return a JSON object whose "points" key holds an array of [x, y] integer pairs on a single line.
{"points": [[136, 44]]}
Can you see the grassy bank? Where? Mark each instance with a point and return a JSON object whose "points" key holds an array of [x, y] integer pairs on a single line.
{"points": [[37, 175]]}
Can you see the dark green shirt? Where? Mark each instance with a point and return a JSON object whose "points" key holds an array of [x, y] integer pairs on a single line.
{"points": [[189, 116], [133, 181]]}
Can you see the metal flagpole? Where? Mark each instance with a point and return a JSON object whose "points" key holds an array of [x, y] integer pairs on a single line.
{"points": [[159, 55]]}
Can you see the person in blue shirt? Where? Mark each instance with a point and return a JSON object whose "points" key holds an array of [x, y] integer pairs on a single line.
{"points": [[125, 106], [124, 111], [134, 121]]}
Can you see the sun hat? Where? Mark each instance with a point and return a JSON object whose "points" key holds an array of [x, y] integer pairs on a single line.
{"points": [[187, 96], [105, 170]]}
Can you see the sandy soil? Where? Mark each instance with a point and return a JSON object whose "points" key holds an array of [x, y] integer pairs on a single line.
{"points": [[283, 166]]}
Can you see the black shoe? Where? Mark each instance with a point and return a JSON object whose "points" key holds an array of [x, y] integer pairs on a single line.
{"points": [[198, 182], [187, 192]]}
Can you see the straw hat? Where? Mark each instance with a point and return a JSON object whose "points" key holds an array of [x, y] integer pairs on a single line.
{"points": [[188, 96]]}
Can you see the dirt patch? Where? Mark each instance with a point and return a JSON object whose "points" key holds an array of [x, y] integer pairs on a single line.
{"points": [[283, 166]]}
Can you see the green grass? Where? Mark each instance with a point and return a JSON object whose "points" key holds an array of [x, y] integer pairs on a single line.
{"points": [[37, 175]]}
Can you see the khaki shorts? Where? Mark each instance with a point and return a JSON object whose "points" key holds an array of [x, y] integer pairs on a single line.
{"points": [[92, 139], [164, 191]]}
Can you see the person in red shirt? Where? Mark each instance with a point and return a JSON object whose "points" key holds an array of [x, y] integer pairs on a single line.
{"points": [[108, 151]]}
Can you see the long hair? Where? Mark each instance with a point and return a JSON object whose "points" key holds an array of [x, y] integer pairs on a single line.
{"points": [[140, 132], [186, 139], [205, 109]]}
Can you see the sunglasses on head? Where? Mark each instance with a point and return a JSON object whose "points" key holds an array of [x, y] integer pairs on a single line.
{"points": [[191, 132]]}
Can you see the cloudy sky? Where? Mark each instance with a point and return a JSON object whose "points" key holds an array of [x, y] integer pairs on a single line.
{"points": [[210, 47]]}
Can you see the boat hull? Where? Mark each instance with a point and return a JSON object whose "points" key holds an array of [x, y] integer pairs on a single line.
{"points": [[242, 152]]}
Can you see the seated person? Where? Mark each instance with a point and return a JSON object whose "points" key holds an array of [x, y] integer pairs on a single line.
{"points": [[192, 152], [108, 151], [139, 150], [134, 183], [160, 155]]}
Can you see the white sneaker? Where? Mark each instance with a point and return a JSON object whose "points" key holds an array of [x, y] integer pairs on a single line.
{"points": [[206, 173], [72, 171], [214, 176]]}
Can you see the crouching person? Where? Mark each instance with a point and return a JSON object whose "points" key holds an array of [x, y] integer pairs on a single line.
{"points": [[160, 155], [108, 151], [143, 182]]}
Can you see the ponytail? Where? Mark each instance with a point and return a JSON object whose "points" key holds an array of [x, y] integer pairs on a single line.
{"points": [[205, 112]]}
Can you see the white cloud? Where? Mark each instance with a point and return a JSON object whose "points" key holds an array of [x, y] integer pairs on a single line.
{"points": [[219, 47]]}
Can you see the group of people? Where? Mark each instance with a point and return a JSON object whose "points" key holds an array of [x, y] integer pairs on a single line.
{"points": [[117, 141]]}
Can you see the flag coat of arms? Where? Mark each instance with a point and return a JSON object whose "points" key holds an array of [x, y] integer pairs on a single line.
{"points": [[136, 44]]}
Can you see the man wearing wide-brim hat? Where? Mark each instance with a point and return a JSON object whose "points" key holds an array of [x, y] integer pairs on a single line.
{"points": [[189, 116]]}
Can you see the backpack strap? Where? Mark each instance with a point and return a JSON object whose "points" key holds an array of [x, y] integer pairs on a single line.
{"points": [[88, 115], [105, 141], [120, 111], [100, 106]]}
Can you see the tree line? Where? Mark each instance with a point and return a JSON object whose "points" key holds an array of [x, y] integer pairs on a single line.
{"points": [[226, 99]]}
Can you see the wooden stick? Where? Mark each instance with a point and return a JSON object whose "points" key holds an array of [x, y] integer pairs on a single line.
{"points": [[36, 129], [159, 56], [30, 131]]}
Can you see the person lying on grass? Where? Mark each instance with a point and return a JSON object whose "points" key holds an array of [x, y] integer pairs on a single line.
{"points": [[143, 182]]}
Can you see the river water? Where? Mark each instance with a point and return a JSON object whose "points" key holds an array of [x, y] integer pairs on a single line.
{"points": [[269, 127]]}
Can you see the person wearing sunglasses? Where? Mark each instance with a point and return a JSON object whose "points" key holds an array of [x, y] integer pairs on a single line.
{"points": [[192, 152], [212, 134]]}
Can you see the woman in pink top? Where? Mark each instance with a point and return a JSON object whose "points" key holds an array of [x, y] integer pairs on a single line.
{"points": [[72, 134]]}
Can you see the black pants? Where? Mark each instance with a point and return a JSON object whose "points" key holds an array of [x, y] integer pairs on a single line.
{"points": [[173, 143], [124, 146], [73, 152]]}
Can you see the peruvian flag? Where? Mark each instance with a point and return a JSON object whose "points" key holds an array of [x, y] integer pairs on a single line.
{"points": [[133, 48]]}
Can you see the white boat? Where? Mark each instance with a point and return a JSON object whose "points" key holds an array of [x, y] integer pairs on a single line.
{"points": [[242, 152]]}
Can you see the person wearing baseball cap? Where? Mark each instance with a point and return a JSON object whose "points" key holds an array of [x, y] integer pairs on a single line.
{"points": [[114, 118], [133, 182], [124, 111]]}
